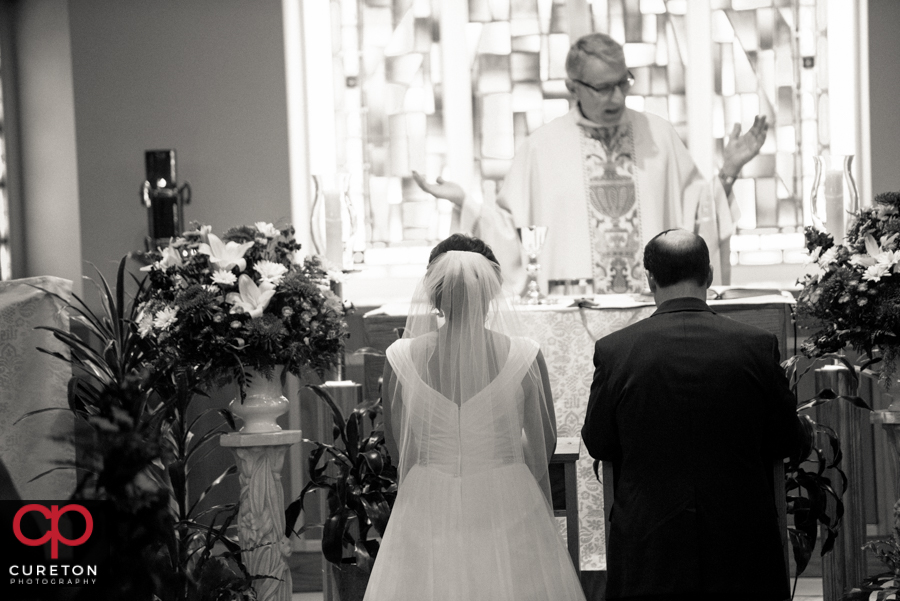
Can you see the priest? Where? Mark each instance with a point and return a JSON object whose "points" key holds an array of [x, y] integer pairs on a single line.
{"points": [[604, 179]]}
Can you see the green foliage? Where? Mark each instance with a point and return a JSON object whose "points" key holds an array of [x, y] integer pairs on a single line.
{"points": [[139, 456], [812, 500], [359, 481], [852, 290]]}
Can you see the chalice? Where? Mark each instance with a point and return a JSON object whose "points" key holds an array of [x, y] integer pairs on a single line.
{"points": [[532, 239]]}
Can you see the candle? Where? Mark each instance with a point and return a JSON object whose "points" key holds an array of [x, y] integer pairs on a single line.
{"points": [[334, 244], [835, 215]]}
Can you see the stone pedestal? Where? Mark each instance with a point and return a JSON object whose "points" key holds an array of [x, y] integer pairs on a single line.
{"points": [[890, 421], [260, 459]]}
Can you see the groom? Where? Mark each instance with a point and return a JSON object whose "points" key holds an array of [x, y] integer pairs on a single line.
{"points": [[691, 408]]}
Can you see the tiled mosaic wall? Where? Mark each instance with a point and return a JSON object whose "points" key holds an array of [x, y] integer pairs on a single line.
{"points": [[769, 58]]}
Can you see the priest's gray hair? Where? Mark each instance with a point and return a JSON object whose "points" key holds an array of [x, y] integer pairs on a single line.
{"points": [[597, 45]]}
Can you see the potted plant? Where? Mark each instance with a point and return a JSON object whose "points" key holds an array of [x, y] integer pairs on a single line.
{"points": [[851, 291], [138, 457], [359, 480]]}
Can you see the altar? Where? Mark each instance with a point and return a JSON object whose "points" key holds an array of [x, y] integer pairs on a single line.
{"points": [[566, 334]]}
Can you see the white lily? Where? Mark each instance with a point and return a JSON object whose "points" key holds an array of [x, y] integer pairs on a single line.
{"points": [[171, 257], [266, 229], [863, 260], [270, 272], [814, 272], [252, 299], [877, 254], [828, 257], [872, 247], [225, 256], [813, 257]]}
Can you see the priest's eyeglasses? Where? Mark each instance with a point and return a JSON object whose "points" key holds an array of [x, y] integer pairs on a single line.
{"points": [[605, 91]]}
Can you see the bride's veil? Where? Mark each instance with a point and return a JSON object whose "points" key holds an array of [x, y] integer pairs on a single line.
{"points": [[463, 330]]}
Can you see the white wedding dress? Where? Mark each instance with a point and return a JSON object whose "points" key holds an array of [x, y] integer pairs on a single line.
{"points": [[471, 522]]}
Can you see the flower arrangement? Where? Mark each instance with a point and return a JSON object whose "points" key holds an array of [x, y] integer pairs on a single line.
{"points": [[141, 449], [852, 290], [222, 305]]}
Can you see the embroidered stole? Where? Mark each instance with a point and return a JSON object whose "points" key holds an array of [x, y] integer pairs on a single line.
{"points": [[613, 208]]}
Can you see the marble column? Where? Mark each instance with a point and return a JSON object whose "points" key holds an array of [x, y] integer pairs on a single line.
{"points": [[260, 459]]}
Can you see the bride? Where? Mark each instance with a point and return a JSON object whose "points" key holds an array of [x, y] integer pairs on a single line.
{"points": [[468, 411]]}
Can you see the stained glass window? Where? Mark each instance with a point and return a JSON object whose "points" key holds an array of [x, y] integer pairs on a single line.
{"points": [[765, 56], [768, 58]]}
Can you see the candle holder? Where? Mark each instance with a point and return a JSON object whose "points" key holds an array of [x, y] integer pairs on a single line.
{"points": [[834, 178], [163, 198], [333, 219], [532, 239]]}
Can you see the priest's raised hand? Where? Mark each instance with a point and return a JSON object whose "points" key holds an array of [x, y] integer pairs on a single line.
{"points": [[441, 188]]}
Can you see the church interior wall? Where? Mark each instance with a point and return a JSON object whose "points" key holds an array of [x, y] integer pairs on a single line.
{"points": [[208, 78], [204, 77], [884, 90]]}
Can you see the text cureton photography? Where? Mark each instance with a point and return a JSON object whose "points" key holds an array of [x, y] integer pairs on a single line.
{"points": [[51, 544]]}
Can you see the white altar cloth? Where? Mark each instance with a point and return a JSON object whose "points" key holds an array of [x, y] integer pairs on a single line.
{"points": [[31, 380]]}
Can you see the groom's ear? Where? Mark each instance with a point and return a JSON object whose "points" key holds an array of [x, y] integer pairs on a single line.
{"points": [[651, 281]]}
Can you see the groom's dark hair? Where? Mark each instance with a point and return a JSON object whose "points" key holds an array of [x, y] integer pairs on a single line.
{"points": [[464, 243], [673, 262]]}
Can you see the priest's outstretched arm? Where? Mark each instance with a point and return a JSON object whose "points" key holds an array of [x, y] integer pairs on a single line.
{"points": [[492, 220], [707, 207]]}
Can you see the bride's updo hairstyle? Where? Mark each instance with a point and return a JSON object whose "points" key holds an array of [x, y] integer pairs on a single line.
{"points": [[459, 243], [464, 243]]}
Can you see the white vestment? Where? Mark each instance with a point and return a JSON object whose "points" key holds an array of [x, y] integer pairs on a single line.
{"points": [[546, 186]]}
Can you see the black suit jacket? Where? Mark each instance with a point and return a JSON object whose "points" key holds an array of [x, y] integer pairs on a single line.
{"points": [[692, 408]]}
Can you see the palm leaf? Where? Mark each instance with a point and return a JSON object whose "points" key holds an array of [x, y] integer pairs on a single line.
{"points": [[201, 414], [86, 353], [91, 320], [232, 469], [36, 411], [336, 414], [62, 467], [212, 434]]}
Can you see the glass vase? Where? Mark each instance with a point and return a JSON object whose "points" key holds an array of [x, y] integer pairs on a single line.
{"points": [[333, 219], [834, 196]]}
